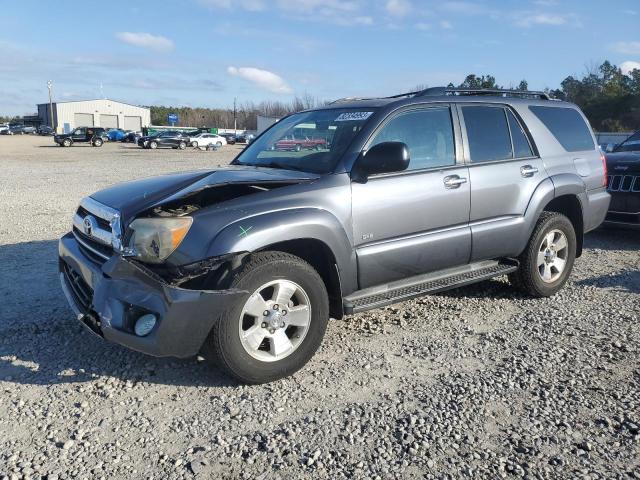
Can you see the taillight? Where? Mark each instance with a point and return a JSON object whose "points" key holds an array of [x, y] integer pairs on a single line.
{"points": [[605, 176]]}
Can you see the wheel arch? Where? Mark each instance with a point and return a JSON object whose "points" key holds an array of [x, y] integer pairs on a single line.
{"points": [[570, 206], [321, 258]]}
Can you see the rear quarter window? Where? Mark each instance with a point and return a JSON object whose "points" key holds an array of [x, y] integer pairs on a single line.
{"points": [[567, 125]]}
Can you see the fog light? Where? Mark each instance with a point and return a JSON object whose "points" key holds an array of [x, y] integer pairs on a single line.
{"points": [[145, 324]]}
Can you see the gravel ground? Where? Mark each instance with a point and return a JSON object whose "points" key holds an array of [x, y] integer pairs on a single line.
{"points": [[479, 382]]}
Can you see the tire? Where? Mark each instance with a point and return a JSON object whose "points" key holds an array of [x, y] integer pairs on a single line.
{"points": [[194, 144], [182, 145], [153, 145], [218, 144], [298, 147], [263, 364], [540, 274], [66, 142], [97, 142]]}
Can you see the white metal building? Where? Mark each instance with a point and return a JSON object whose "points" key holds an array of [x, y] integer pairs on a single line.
{"points": [[94, 113]]}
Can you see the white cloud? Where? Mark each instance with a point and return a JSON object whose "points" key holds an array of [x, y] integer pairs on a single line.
{"points": [[423, 26], [445, 24], [627, 48], [629, 66], [465, 8], [249, 5], [528, 19], [262, 78], [146, 40], [398, 8]]}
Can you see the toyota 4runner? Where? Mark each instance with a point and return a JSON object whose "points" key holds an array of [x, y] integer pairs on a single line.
{"points": [[416, 193]]}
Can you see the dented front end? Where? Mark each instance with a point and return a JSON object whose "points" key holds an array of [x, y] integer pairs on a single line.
{"points": [[110, 297]]}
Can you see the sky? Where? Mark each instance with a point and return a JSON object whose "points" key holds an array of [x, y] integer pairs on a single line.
{"points": [[205, 53]]}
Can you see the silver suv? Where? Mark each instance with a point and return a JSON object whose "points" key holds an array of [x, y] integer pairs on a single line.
{"points": [[400, 197]]}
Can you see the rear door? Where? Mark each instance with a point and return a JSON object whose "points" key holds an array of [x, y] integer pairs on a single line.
{"points": [[504, 171], [416, 221]]}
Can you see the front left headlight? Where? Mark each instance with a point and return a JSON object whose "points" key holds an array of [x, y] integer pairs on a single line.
{"points": [[154, 239]]}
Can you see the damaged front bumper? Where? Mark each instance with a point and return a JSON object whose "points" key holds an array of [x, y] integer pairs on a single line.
{"points": [[108, 298]]}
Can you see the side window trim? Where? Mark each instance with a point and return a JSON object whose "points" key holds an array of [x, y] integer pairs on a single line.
{"points": [[457, 140], [465, 138], [525, 131]]}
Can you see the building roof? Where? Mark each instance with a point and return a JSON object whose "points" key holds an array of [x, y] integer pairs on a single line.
{"points": [[96, 100]]}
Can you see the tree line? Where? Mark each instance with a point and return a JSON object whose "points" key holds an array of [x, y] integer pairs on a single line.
{"points": [[609, 98]]}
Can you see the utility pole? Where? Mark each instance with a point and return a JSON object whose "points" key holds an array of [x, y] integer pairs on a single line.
{"points": [[49, 85], [235, 124]]}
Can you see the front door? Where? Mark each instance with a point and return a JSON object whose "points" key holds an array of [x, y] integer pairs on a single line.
{"points": [[504, 172], [79, 134], [416, 221]]}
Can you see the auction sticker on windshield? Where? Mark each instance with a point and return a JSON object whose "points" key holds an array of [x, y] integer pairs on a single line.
{"points": [[353, 116]]}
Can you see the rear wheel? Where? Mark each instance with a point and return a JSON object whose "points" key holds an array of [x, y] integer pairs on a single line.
{"points": [[194, 144], [218, 144], [298, 147], [153, 145], [182, 145], [546, 263], [274, 329], [97, 142]]}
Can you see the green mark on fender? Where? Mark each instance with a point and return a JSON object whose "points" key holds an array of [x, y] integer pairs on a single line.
{"points": [[244, 231]]}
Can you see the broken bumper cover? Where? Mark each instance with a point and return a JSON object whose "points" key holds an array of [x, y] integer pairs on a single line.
{"points": [[108, 298]]}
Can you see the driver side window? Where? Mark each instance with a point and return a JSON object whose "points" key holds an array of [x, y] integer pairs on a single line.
{"points": [[78, 131], [428, 133]]}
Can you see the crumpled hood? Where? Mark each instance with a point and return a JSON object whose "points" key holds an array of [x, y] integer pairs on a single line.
{"points": [[135, 196], [622, 163]]}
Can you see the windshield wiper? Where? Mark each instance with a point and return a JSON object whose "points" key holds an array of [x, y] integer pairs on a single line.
{"points": [[280, 165]]}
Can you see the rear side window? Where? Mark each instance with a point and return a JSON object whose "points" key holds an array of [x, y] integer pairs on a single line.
{"points": [[487, 133], [521, 147], [567, 125]]}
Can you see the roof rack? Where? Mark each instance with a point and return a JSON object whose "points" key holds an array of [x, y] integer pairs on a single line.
{"points": [[443, 91], [451, 91]]}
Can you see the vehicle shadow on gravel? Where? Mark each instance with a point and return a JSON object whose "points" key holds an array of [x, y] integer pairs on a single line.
{"points": [[41, 343], [613, 239], [625, 281]]}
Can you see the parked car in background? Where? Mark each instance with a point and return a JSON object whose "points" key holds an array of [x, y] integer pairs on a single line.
{"points": [[246, 264], [164, 140], [245, 138], [131, 136], [95, 136], [229, 137], [623, 167], [297, 144], [19, 129], [4, 129], [115, 134], [206, 139], [45, 130]]}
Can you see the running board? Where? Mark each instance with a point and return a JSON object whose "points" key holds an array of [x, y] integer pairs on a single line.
{"points": [[401, 290]]}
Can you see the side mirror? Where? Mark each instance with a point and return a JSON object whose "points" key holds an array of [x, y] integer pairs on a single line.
{"points": [[609, 148], [386, 157]]}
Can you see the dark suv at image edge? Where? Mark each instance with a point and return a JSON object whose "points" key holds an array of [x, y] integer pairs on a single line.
{"points": [[414, 194], [623, 166]]}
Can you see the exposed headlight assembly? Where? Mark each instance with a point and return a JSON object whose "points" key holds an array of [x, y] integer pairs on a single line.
{"points": [[154, 239]]}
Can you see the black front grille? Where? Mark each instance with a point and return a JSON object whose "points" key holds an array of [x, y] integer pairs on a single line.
{"points": [[81, 291], [104, 224], [624, 183], [99, 252]]}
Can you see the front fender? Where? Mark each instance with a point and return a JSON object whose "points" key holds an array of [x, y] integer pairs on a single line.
{"points": [[258, 232]]}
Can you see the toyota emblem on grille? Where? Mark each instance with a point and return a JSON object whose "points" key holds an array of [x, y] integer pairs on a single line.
{"points": [[89, 224]]}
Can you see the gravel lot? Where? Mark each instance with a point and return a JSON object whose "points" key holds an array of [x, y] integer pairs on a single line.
{"points": [[480, 382]]}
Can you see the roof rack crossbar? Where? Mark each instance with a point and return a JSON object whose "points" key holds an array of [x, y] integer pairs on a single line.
{"points": [[443, 91]]}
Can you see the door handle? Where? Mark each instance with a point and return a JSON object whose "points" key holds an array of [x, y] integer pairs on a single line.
{"points": [[528, 171], [454, 181]]}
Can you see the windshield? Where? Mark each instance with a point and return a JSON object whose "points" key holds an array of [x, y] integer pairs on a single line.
{"points": [[308, 141], [631, 144]]}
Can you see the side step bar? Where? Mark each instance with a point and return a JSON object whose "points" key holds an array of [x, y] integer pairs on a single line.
{"points": [[401, 290]]}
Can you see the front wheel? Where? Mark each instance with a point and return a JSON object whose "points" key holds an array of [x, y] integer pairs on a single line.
{"points": [[547, 262], [66, 142], [97, 142], [273, 330], [219, 144], [194, 144], [182, 145], [153, 145]]}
